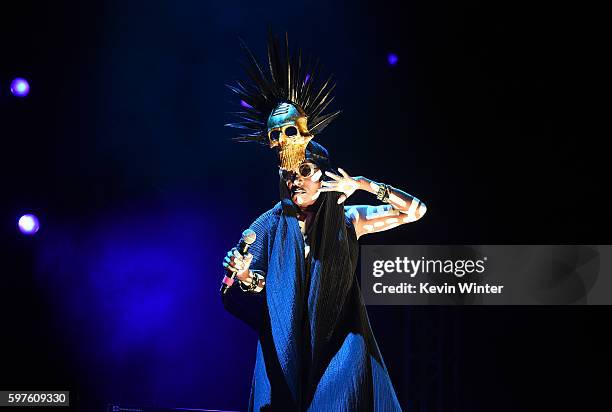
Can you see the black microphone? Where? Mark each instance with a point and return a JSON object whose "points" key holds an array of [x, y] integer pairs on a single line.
{"points": [[248, 238]]}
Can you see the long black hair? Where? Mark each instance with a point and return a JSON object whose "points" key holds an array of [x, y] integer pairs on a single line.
{"points": [[327, 233], [329, 270]]}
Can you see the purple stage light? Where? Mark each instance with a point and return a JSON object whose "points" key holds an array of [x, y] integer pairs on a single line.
{"points": [[20, 87], [245, 104], [307, 78], [28, 224], [392, 59]]}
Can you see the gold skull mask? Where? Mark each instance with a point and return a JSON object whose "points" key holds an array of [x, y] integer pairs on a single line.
{"points": [[288, 131]]}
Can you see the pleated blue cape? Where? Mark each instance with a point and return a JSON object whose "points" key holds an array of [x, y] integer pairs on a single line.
{"points": [[315, 349]]}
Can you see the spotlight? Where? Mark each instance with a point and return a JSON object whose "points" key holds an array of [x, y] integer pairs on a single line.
{"points": [[392, 59], [20, 87], [28, 224]]}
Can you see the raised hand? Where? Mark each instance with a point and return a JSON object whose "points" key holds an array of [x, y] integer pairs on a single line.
{"points": [[344, 184]]}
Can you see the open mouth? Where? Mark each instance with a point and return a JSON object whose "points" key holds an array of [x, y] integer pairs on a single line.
{"points": [[297, 191]]}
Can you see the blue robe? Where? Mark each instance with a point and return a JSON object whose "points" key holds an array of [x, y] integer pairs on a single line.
{"points": [[316, 350]]}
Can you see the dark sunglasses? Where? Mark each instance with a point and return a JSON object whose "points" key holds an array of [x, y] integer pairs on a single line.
{"points": [[306, 169]]}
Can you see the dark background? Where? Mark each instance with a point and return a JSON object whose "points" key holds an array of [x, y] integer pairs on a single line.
{"points": [[121, 152]]}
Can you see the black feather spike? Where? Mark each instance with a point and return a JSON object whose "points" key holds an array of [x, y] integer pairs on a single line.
{"points": [[323, 122]]}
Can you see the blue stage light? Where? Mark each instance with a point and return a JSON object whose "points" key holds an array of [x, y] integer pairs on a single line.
{"points": [[28, 224], [20, 87], [392, 59]]}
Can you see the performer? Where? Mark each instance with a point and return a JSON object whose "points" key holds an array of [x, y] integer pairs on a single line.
{"points": [[297, 286]]}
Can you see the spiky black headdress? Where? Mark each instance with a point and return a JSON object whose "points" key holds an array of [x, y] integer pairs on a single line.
{"points": [[287, 80]]}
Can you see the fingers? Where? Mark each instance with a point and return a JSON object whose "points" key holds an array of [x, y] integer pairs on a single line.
{"points": [[342, 198], [235, 261], [343, 173], [237, 256], [329, 189], [333, 176], [229, 267], [330, 184]]}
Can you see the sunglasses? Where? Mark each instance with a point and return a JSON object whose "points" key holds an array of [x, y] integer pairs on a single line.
{"points": [[288, 131], [306, 169]]}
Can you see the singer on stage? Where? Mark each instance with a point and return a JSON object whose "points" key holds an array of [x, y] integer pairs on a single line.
{"points": [[296, 285]]}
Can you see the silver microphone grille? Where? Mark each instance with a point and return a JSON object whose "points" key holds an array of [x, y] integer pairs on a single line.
{"points": [[248, 236]]}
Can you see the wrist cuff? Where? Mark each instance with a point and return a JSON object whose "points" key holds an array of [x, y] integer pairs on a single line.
{"points": [[258, 281]]}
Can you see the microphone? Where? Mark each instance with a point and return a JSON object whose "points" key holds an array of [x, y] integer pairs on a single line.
{"points": [[247, 239]]}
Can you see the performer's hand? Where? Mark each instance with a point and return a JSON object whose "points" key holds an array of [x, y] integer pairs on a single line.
{"points": [[343, 184], [238, 264]]}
